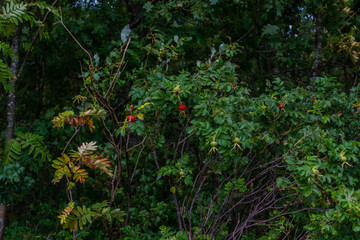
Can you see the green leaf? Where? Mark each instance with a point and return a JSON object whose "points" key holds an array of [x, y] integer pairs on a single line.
{"points": [[356, 228], [307, 192], [148, 6], [88, 217], [282, 182], [270, 30]]}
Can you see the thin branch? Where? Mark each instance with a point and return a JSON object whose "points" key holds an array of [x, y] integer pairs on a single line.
{"points": [[142, 142], [118, 70], [77, 42], [87, 228], [284, 214], [67, 144], [33, 41], [137, 161]]}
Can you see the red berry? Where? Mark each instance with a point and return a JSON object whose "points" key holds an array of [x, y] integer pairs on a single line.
{"points": [[282, 106], [130, 118], [234, 85], [182, 107]]}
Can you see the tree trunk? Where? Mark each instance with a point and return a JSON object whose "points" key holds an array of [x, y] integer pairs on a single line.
{"points": [[2, 219], [12, 95], [11, 111]]}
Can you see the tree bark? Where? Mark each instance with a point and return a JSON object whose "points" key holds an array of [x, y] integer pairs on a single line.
{"points": [[11, 111], [16, 71], [12, 94], [2, 219]]}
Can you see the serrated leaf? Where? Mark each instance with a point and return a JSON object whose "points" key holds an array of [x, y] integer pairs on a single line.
{"points": [[148, 6], [270, 30], [87, 148]]}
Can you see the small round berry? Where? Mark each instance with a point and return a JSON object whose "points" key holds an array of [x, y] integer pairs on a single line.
{"points": [[130, 118], [182, 107]]}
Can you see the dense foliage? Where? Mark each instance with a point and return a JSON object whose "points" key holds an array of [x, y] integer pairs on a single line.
{"points": [[181, 119]]}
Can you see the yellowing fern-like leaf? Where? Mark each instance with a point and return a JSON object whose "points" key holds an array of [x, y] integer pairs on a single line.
{"points": [[79, 174], [65, 213], [87, 149]]}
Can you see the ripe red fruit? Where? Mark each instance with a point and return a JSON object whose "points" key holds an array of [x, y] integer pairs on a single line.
{"points": [[182, 107], [130, 118], [282, 106], [234, 85]]}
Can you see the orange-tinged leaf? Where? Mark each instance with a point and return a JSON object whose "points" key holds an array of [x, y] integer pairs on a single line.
{"points": [[90, 123], [75, 225]]}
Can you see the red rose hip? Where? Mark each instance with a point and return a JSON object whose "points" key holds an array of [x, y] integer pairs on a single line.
{"points": [[130, 118], [182, 107]]}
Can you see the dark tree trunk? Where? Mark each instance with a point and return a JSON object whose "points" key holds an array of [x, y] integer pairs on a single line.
{"points": [[12, 95], [2, 219], [11, 112]]}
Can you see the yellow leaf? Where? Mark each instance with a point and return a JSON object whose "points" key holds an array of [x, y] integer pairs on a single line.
{"points": [[173, 189], [142, 106], [140, 116]]}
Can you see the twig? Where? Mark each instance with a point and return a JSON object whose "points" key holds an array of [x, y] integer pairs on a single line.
{"points": [[67, 144], [33, 41], [87, 228], [73, 37], [142, 142], [137, 161], [284, 214], [118, 70]]}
